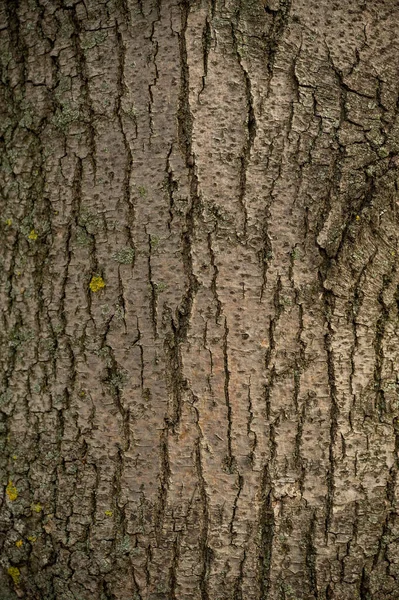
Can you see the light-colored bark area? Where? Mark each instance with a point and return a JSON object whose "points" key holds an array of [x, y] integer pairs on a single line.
{"points": [[199, 290]]}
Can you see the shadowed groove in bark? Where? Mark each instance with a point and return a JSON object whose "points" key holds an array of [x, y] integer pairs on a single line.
{"points": [[230, 459], [206, 46], [205, 551], [266, 531], [251, 125], [378, 345], [334, 408], [164, 485], [129, 155], [86, 100], [280, 18], [180, 321], [311, 557], [18, 45]]}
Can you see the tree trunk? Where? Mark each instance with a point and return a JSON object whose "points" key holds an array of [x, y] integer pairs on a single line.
{"points": [[200, 294]]}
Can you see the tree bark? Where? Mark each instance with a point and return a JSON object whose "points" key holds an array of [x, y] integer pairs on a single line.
{"points": [[199, 359]]}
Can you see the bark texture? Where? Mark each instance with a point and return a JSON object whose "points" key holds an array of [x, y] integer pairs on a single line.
{"points": [[199, 291]]}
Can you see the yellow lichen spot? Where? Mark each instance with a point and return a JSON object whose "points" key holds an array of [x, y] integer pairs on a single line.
{"points": [[108, 513], [32, 235], [19, 543], [14, 457], [9, 222], [37, 507], [357, 218], [97, 283], [15, 574], [32, 539], [11, 491]]}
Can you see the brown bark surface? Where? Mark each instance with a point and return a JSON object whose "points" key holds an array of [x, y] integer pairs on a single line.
{"points": [[199, 290]]}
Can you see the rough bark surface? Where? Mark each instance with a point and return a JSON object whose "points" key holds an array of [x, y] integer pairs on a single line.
{"points": [[199, 291]]}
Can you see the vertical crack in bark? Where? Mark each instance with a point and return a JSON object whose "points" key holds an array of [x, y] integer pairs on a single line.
{"points": [[240, 483], [85, 88], [267, 525], [270, 371], [251, 133], [174, 567], [17, 45], [297, 451], [276, 30], [240, 579], [154, 293], [378, 347], [175, 373], [180, 322], [171, 185], [154, 60], [265, 254], [205, 551], [214, 279], [311, 557], [358, 295], [230, 459], [210, 375], [164, 484], [251, 432], [140, 345], [206, 46], [122, 89], [364, 591], [115, 380], [334, 409]]}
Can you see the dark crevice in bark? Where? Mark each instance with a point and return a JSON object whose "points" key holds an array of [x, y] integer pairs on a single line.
{"points": [[266, 531], [311, 552], [177, 383], [125, 10], [85, 89], [251, 432], [154, 43], [299, 462], [267, 393], [164, 477], [174, 567], [129, 155], [180, 321], [206, 47], [379, 346], [334, 410], [204, 549], [280, 18], [171, 185], [185, 118], [265, 253], [238, 594], [153, 286], [140, 7], [240, 483], [115, 381], [214, 280], [251, 125], [230, 459], [18, 44], [364, 589]]}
